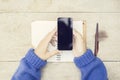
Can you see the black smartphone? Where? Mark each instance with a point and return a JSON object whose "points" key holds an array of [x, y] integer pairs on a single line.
{"points": [[65, 33]]}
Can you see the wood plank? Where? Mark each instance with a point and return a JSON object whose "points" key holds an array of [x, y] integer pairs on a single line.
{"points": [[59, 71], [7, 69], [15, 33], [59, 6]]}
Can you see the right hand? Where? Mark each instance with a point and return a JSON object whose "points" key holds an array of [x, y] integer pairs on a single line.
{"points": [[78, 44]]}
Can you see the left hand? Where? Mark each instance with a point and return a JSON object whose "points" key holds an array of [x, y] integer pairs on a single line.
{"points": [[41, 49]]}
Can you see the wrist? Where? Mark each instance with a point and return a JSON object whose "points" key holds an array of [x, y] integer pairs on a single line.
{"points": [[39, 54], [32, 58], [84, 59], [79, 52]]}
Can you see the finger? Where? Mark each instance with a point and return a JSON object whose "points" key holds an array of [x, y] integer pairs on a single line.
{"points": [[53, 42], [56, 33], [74, 39], [49, 36], [77, 34], [74, 43], [52, 53]]}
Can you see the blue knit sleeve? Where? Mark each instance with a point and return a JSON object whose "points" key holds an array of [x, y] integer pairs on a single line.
{"points": [[91, 67], [30, 67]]}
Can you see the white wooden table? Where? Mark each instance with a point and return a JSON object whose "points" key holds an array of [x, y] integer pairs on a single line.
{"points": [[15, 33]]}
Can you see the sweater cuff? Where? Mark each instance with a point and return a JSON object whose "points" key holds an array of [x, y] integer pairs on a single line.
{"points": [[85, 59], [33, 59]]}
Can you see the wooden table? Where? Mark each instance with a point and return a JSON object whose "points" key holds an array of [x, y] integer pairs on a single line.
{"points": [[15, 33]]}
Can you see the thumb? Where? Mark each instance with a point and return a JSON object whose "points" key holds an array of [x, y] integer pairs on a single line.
{"points": [[52, 53]]}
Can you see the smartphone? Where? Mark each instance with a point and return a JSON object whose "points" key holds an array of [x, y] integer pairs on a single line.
{"points": [[65, 33]]}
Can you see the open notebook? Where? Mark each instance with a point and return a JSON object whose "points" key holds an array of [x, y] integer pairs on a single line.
{"points": [[40, 29]]}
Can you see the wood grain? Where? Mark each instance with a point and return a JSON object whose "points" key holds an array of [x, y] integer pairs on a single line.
{"points": [[15, 33], [104, 6], [59, 71]]}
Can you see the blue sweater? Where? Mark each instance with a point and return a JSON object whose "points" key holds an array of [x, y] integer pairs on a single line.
{"points": [[91, 67]]}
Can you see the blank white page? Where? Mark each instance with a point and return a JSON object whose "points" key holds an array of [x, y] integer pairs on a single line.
{"points": [[39, 29]]}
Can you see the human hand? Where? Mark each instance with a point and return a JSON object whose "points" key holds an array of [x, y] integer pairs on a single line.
{"points": [[41, 49], [78, 44]]}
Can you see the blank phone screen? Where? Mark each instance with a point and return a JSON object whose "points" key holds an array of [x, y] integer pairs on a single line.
{"points": [[65, 33]]}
